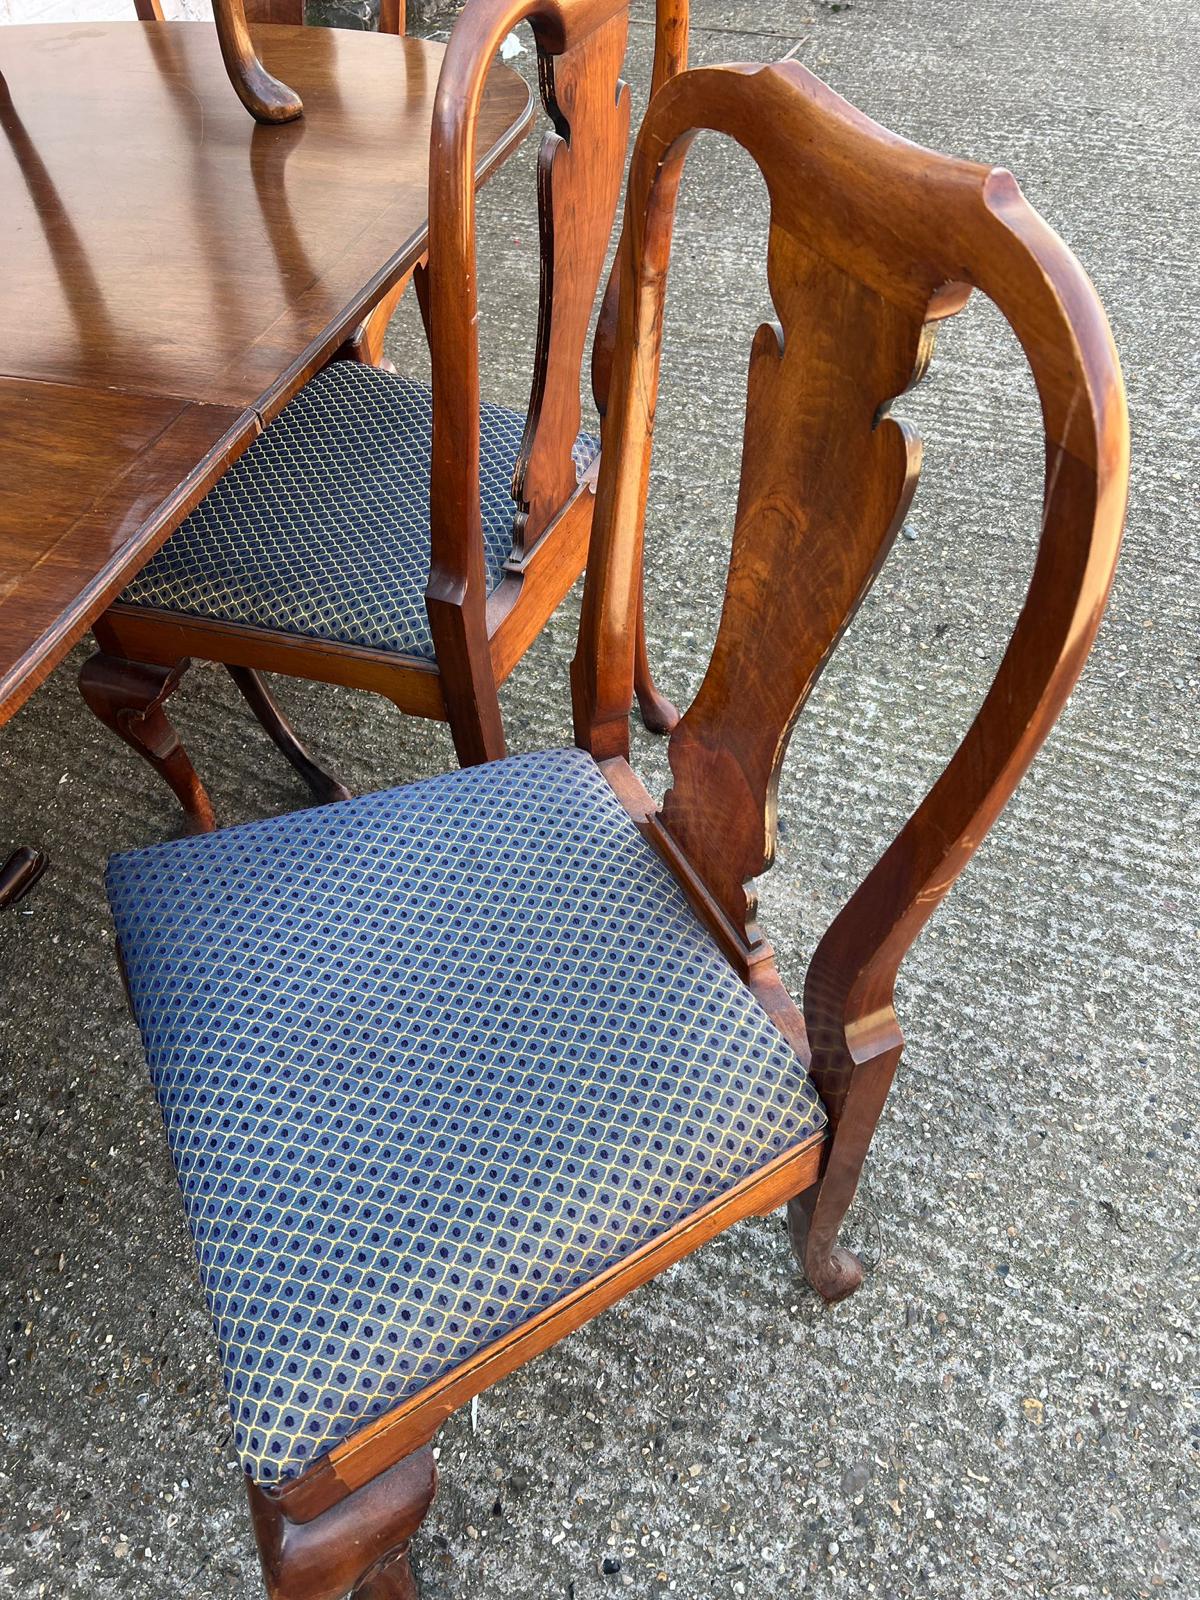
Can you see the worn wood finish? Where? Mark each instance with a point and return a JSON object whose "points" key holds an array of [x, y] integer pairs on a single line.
{"points": [[125, 393], [479, 638], [871, 240]]}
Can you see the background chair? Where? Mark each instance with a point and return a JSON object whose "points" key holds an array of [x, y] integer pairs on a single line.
{"points": [[446, 1070], [383, 535]]}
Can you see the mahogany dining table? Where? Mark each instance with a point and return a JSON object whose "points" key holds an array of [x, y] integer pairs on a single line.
{"points": [[173, 271]]}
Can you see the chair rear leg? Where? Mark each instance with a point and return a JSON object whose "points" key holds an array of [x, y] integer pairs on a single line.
{"points": [[833, 1271], [815, 1216], [658, 714], [358, 1546], [128, 697], [265, 707]]}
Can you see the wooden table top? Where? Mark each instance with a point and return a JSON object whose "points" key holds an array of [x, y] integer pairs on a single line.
{"points": [[174, 271]]}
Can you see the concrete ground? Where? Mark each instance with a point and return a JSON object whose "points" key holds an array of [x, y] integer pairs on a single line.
{"points": [[1008, 1406]]}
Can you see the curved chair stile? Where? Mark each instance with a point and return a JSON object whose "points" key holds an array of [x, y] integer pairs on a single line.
{"points": [[671, 29], [545, 1068], [580, 44]]}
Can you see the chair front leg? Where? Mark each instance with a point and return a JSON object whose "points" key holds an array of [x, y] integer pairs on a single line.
{"points": [[359, 1546], [128, 697]]}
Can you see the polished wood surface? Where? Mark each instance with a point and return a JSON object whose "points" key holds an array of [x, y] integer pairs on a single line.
{"points": [[165, 296], [368, 340], [872, 241], [264, 97], [91, 480]]}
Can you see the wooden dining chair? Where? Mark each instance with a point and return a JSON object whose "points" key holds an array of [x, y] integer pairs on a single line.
{"points": [[448, 1069], [385, 535]]}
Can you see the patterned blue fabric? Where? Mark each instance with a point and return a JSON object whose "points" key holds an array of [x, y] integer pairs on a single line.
{"points": [[428, 1060], [322, 527]]}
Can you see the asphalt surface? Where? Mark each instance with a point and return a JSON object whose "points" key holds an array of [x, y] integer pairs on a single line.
{"points": [[1008, 1407]]}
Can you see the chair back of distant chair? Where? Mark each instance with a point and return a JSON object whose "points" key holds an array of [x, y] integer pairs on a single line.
{"points": [[581, 47]]}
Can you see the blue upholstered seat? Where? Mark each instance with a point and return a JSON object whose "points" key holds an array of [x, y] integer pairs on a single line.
{"points": [[322, 527], [428, 1060]]}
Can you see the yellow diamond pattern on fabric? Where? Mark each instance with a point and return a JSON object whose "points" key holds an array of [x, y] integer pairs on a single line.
{"points": [[321, 528], [428, 1060]]}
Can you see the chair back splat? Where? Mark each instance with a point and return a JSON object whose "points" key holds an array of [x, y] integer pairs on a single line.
{"points": [[872, 240]]}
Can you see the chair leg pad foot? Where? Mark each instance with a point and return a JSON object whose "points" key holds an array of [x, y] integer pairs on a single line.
{"points": [[832, 1270], [358, 1546], [658, 714]]}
